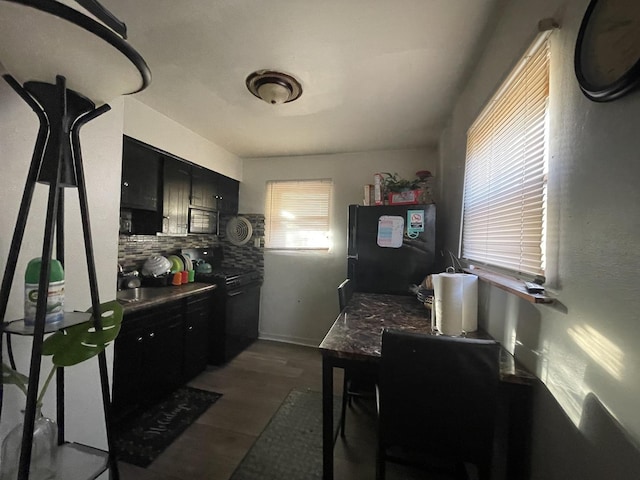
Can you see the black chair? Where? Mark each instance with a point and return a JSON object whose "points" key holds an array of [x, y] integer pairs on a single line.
{"points": [[357, 382], [437, 399]]}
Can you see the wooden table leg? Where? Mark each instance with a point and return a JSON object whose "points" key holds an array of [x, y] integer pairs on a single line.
{"points": [[327, 419]]}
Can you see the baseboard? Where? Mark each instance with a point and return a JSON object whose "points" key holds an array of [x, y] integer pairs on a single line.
{"points": [[306, 342]]}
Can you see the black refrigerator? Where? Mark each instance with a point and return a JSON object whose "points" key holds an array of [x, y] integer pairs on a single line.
{"points": [[390, 248]]}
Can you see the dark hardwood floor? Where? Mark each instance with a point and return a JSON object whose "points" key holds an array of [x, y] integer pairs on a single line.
{"points": [[253, 385]]}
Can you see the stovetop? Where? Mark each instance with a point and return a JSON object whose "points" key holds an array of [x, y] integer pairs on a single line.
{"points": [[224, 276], [229, 277]]}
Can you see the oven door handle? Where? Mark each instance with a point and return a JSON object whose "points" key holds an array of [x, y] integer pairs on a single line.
{"points": [[235, 294]]}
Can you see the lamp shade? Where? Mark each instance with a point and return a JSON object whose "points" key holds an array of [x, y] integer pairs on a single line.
{"points": [[273, 87], [274, 93], [41, 39]]}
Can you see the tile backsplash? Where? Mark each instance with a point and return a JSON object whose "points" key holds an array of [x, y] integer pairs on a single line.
{"points": [[133, 250]]}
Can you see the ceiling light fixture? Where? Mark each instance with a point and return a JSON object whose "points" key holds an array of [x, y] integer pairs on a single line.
{"points": [[274, 87]]}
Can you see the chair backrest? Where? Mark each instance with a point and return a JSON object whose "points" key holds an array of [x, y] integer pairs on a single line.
{"points": [[439, 394], [345, 292]]}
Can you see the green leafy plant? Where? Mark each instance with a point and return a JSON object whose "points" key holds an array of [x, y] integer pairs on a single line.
{"points": [[72, 345], [393, 183]]}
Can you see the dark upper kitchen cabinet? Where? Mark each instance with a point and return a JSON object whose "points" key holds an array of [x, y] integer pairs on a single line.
{"points": [[140, 176], [204, 188], [164, 193], [211, 190], [176, 192], [228, 191]]}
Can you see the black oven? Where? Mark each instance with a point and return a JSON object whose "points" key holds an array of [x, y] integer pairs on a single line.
{"points": [[236, 312]]}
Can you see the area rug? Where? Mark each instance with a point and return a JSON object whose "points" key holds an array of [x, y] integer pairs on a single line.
{"points": [[145, 437], [290, 447]]}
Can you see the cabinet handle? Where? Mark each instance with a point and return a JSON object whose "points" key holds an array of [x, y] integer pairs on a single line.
{"points": [[139, 339], [125, 184], [190, 328], [151, 335]]}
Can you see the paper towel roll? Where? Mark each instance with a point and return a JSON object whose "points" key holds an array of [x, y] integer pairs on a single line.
{"points": [[456, 302], [447, 288], [469, 302]]}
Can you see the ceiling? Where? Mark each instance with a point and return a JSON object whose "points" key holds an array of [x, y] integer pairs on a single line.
{"points": [[375, 74]]}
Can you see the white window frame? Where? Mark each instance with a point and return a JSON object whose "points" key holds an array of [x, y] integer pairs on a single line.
{"points": [[484, 240], [301, 222]]}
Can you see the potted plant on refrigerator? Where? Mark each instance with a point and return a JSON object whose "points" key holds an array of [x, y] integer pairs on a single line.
{"points": [[400, 191]]}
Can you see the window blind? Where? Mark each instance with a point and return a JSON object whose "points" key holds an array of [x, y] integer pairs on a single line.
{"points": [[505, 175], [297, 214]]}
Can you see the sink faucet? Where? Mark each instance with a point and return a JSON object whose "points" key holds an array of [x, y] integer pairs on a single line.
{"points": [[127, 279], [118, 278]]}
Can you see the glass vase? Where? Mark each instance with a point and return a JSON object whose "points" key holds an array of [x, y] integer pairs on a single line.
{"points": [[43, 450]]}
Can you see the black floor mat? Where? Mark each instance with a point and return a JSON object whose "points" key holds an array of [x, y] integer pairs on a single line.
{"points": [[142, 439]]}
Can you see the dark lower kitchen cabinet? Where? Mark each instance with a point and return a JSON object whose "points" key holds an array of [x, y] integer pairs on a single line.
{"points": [[228, 192], [158, 350], [176, 191], [196, 335], [127, 372], [235, 322], [162, 370], [145, 368]]}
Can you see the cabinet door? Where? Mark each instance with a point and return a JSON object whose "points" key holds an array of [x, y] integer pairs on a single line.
{"points": [[204, 188], [162, 364], [127, 371], [196, 335], [228, 190], [147, 358], [236, 325], [177, 188], [140, 176]]}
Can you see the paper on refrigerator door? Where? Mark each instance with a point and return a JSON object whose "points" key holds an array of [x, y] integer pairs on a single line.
{"points": [[390, 231]]}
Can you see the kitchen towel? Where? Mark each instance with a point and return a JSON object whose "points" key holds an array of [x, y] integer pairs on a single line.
{"points": [[456, 302]]}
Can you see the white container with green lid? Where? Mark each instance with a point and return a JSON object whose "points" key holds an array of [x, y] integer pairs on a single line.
{"points": [[55, 296]]}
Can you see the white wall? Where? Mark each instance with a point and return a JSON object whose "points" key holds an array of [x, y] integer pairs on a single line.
{"points": [[299, 295], [587, 342], [149, 126]]}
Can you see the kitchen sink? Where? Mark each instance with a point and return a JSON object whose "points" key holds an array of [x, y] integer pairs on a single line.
{"points": [[137, 294]]}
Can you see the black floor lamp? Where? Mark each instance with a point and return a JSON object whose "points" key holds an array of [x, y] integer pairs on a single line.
{"points": [[66, 66]]}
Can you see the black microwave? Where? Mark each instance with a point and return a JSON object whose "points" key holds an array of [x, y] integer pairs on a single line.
{"points": [[203, 221]]}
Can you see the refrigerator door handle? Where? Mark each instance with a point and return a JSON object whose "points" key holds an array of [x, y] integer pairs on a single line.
{"points": [[351, 234], [352, 257]]}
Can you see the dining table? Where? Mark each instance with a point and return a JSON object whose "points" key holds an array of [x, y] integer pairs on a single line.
{"points": [[355, 340]]}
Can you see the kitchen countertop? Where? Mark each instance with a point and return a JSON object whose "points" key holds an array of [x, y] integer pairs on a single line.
{"points": [[135, 299]]}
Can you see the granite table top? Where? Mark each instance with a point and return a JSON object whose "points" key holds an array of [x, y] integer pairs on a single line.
{"points": [[357, 332]]}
